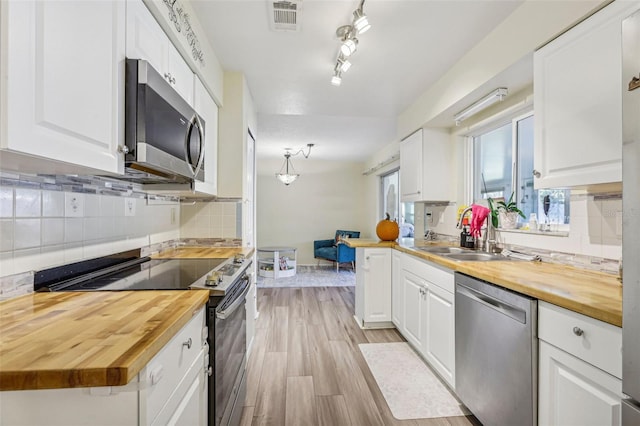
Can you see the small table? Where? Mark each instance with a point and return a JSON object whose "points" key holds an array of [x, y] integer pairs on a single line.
{"points": [[272, 259]]}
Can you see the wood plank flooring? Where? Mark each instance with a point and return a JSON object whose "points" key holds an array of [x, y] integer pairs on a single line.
{"points": [[306, 367]]}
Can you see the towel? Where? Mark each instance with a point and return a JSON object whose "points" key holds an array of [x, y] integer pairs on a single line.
{"points": [[478, 216]]}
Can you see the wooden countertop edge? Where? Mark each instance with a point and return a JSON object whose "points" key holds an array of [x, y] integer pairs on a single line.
{"points": [[129, 365], [468, 268]]}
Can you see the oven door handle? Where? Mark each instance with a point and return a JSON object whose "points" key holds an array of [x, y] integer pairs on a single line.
{"points": [[235, 305]]}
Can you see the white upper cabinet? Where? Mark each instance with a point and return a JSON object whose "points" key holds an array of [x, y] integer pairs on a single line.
{"points": [[64, 62], [147, 40], [578, 103], [208, 110], [425, 164]]}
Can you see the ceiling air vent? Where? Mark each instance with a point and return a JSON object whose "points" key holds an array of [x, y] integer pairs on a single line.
{"points": [[285, 15]]}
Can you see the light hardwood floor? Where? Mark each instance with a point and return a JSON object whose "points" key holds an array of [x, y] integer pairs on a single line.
{"points": [[306, 367]]}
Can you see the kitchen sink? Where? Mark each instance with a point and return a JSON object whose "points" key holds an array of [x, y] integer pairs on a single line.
{"points": [[476, 257], [442, 250]]}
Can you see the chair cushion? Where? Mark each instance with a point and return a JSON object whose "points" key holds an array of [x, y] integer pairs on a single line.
{"points": [[326, 253]]}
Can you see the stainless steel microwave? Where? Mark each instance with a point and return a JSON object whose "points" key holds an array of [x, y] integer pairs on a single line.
{"points": [[164, 136]]}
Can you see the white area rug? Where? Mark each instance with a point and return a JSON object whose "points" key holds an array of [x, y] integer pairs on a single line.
{"points": [[313, 276], [408, 385]]}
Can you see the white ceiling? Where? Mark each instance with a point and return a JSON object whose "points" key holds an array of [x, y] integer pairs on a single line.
{"points": [[410, 45]]}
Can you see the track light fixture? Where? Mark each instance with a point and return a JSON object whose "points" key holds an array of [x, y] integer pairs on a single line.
{"points": [[349, 42], [287, 173]]}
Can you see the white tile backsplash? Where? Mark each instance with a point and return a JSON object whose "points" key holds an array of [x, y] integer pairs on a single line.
{"points": [[210, 220], [41, 229], [91, 205], [6, 234], [73, 229], [52, 204], [26, 233], [52, 231], [28, 202], [6, 201]]}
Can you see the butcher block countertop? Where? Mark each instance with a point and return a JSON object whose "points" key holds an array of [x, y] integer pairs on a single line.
{"points": [[592, 293], [83, 339], [186, 252]]}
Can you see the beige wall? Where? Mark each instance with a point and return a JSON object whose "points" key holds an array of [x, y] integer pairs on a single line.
{"points": [[327, 196]]}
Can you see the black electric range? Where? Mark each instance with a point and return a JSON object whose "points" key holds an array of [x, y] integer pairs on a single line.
{"points": [[127, 271]]}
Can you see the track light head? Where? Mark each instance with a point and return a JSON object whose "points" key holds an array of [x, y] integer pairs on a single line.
{"points": [[360, 22]]}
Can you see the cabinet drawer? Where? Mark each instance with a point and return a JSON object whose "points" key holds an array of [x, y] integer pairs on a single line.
{"points": [[435, 274], [166, 370], [593, 341]]}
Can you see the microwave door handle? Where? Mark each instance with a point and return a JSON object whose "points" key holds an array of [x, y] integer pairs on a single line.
{"points": [[194, 122], [200, 127]]}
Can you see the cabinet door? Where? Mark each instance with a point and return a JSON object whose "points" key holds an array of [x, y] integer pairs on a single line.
{"points": [[411, 168], [440, 332], [65, 64], [145, 38], [578, 103], [377, 279], [192, 409], [396, 288], [414, 309], [181, 76], [573, 392], [208, 110]]}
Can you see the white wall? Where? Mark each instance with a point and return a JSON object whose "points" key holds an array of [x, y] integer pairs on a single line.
{"points": [[38, 229], [327, 196]]}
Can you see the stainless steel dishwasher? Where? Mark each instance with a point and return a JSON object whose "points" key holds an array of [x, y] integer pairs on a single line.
{"points": [[496, 352]]}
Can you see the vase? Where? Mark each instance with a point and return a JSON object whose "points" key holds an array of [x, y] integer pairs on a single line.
{"points": [[508, 220]]}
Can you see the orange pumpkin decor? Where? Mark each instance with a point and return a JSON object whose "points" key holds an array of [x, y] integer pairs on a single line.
{"points": [[387, 229]]}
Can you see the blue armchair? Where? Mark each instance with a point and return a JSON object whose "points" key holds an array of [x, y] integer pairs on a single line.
{"points": [[335, 250]]}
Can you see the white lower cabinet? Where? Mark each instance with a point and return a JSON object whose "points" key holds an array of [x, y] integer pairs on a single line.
{"points": [[170, 390], [373, 287], [579, 379], [426, 313], [440, 332], [414, 309]]}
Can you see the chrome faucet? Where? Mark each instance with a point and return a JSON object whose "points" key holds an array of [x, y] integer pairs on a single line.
{"points": [[489, 236], [464, 212]]}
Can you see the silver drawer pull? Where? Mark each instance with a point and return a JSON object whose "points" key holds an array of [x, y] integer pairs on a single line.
{"points": [[578, 331], [188, 343]]}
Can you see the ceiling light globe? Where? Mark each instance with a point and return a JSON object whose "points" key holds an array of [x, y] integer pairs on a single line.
{"points": [[336, 80], [345, 65]]}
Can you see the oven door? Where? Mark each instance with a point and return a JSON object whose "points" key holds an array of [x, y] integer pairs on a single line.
{"points": [[230, 347]]}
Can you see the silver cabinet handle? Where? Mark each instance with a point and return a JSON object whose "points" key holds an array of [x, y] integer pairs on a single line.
{"points": [[536, 173], [578, 331], [188, 343]]}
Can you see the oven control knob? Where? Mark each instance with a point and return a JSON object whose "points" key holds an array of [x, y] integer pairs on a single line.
{"points": [[213, 279]]}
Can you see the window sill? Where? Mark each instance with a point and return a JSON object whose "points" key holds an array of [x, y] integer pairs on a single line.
{"points": [[530, 232]]}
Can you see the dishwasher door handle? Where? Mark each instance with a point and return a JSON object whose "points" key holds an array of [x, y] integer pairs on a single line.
{"points": [[495, 304]]}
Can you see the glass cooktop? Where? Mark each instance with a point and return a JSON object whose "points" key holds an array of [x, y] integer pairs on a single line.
{"points": [[126, 274]]}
